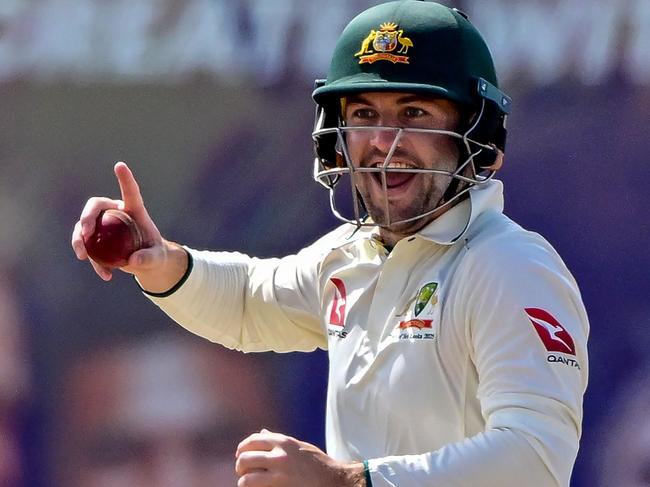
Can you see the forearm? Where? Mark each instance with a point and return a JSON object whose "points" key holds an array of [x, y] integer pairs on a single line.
{"points": [[497, 458], [231, 299], [210, 302]]}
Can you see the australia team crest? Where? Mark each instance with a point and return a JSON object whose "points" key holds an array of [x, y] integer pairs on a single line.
{"points": [[382, 45], [416, 320]]}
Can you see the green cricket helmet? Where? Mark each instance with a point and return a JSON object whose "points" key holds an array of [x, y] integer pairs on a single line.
{"points": [[419, 47]]}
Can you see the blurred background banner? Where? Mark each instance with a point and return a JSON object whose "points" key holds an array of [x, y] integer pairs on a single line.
{"points": [[209, 102], [172, 40]]}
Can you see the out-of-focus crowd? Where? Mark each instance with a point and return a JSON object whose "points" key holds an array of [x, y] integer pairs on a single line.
{"points": [[161, 410]]}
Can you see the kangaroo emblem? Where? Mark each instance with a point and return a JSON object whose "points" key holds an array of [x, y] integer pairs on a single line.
{"points": [[365, 45]]}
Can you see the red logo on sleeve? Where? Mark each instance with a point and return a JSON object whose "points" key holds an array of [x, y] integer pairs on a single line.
{"points": [[337, 315], [553, 334]]}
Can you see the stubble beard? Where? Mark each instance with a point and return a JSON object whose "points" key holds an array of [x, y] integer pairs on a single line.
{"points": [[427, 190], [428, 195]]}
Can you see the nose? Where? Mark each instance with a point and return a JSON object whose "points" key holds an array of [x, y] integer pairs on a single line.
{"points": [[383, 139]]}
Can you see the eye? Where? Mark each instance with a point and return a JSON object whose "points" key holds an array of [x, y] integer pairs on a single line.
{"points": [[415, 112], [364, 113]]}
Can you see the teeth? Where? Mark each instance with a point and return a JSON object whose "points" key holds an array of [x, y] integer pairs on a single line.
{"points": [[394, 165]]}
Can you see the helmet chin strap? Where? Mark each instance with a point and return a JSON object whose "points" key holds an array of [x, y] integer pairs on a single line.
{"points": [[458, 188], [450, 192]]}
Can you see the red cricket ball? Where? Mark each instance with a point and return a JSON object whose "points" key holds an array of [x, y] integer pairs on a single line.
{"points": [[115, 238]]}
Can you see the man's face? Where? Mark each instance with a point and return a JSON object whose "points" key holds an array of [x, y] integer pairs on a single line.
{"points": [[407, 195], [158, 415]]}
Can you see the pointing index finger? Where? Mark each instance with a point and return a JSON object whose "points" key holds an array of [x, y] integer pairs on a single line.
{"points": [[129, 188]]}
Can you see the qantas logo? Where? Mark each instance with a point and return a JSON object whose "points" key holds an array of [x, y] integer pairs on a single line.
{"points": [[551, 332], [337, 314]]}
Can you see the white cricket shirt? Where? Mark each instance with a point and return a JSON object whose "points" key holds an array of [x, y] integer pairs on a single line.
{"points": [[457, 359]]}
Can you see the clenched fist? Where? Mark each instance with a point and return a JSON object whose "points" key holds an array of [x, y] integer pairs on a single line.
{"points": [[268, 459]]}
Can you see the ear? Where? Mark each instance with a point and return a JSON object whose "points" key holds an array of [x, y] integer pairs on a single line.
{"points": [[340, 159], [498, 160]]}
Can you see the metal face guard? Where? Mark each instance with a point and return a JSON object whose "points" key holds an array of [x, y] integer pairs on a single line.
{"points": [[330, 170]]}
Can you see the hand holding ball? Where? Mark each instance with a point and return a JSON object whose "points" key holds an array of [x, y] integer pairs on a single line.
{"points": [[115, 238]]}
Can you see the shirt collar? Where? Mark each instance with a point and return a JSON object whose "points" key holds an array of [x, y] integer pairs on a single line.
{"points": [[452, 225]]}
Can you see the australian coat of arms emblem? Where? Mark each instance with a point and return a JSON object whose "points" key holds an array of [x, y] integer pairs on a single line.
{"points": [[380, 44]]}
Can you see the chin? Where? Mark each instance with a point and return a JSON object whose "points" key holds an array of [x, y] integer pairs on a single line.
{"points": [[403, 228], [407, 228], [402, 210]]}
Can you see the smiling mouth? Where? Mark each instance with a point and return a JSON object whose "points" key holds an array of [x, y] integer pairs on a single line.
{"points": [[394, 179]]}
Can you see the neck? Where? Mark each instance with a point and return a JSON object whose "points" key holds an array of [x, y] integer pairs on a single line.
{"points": [[394, 233]]}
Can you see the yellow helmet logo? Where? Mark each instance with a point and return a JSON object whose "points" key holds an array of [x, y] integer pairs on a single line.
{"points": [[380, 44]]}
